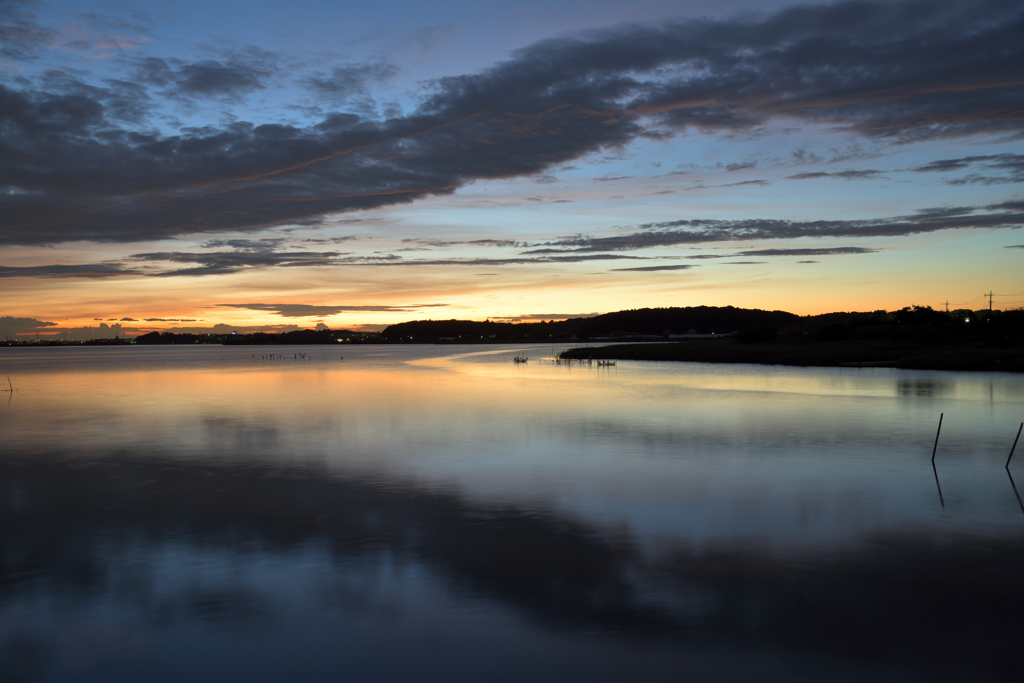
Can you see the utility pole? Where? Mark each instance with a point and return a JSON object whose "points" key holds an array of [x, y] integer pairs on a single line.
{"points": [[946, 304], [989, 295]]}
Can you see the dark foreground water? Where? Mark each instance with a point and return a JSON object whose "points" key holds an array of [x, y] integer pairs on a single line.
{"points": [[440, 513]]}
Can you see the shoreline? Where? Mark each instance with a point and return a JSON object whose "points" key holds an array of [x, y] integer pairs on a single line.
{"points": [[804, 354]]}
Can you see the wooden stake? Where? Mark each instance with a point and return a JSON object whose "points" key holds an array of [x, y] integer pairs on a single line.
{"points": [[937, 437]]}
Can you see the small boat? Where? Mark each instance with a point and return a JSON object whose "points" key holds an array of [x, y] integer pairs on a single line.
{"points": [[520, 359]]}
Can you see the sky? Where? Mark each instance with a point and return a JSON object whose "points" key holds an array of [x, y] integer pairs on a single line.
{"points": [[205, 166]]}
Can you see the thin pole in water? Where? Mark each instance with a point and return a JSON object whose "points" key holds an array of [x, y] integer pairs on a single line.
{"points": [[939, 487], [1019, 501], [1014, 445], [937, 436]]}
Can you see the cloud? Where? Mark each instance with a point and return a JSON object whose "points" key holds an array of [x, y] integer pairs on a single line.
{"points": [[71, 169], [1014, 246], [11, 326], [222, 262], [1012, 162], [98, 37], [98, 270], [20, 36], [1006, 215], [1011, 165], [568, 258], [652, 268], [351, 83], [329, 240], [238, 73], [429, 242], [833, 251], [307, 310], [426, 39], [842, 175], [760, 183], [265, 244], [264, 253]]}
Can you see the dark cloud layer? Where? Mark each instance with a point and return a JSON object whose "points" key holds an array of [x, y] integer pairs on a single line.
{"points": [[20, 35], [350, 83], [237, 74], [697, 231], [842, 175], [808, 252], [221, 262], [264, 253], [98, 270], [427, 242], [71, 168], [308, 310], [998, 169], [653, 268]]}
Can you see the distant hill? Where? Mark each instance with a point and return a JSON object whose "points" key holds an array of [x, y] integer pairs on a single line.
{"points": [[691, 319], [913, 337], [642, 322]]}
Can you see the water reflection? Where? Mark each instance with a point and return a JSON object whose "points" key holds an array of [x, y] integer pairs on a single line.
{"points": [[938, 486], [917, 387], [1015, 492], [176, 549], [437, 515]]}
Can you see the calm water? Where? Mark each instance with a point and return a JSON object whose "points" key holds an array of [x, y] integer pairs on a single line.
{"points": [[441, 513]]}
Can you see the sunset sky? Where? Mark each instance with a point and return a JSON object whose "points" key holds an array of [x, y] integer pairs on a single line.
{"points": [[196, 165]]}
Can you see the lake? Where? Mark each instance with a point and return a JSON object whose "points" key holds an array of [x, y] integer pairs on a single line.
{"points": [[393, 513]]}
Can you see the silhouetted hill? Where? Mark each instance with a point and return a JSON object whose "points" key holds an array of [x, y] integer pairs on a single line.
{"points": [[642, 322], [913, 337]]}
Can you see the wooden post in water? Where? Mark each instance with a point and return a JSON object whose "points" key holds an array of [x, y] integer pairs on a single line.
{"points": [[1014, 445], [937, 437]]}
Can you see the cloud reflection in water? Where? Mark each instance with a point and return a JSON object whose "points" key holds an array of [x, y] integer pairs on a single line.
{"points": [[454, 517]]}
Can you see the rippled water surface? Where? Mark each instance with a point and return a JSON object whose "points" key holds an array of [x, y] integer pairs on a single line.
{"points": [[442, 513]]}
